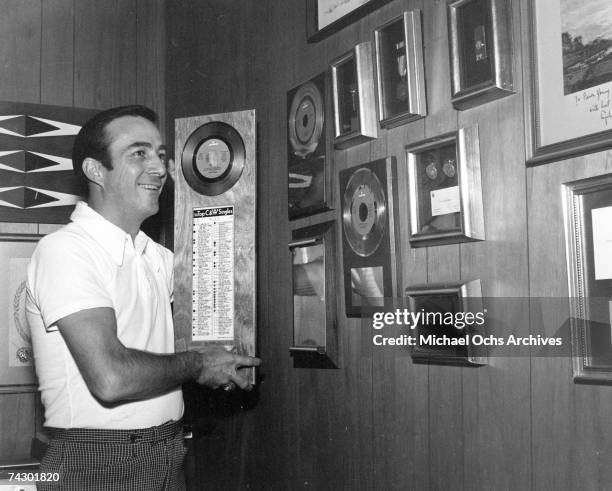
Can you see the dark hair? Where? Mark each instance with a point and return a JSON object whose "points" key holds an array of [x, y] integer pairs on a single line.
{"points": [[92, 139]]}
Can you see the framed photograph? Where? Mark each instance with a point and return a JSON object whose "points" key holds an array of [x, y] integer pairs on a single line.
{"points": [[588, 214], [481, 52], [445, 194], [354, 98], [315, 336], [308, 141], [324, 17], [370, 241], [569, 111], [400, 73], [16, 357], [450, 314]]}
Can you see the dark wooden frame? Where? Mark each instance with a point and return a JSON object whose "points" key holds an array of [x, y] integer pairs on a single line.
{"points": [[314, 34], [325, 356]]}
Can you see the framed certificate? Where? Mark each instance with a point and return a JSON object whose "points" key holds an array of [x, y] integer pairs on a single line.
{"points": [[481, 53], [445, 196], [400, 74], [588, 214], [354, 98], [450, 314], [315, 337]]}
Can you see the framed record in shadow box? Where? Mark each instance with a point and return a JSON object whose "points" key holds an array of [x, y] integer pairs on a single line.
{"points": [[588, 215], [450, 315], [354, 97], [481, 53], [399, 68], [445, 195], [369, 237], [315, 335], [310, 166]]}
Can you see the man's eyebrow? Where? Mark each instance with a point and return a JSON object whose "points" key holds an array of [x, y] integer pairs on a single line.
{"points": [[144, 144]]}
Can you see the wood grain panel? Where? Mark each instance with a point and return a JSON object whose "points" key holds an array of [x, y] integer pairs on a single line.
{"points": [[57, 52], [104, 53], [20, 50]]}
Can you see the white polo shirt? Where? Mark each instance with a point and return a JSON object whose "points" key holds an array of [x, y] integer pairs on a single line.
{"points": [[93, 263]]}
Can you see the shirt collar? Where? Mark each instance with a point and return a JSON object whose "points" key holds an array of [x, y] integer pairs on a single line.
{"points": [[112, 238]]}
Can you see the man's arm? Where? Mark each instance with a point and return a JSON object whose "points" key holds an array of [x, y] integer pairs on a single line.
{"points": [[115, 373]]}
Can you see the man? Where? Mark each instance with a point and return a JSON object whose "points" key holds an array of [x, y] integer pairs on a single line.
{"points": [[98, 305]]}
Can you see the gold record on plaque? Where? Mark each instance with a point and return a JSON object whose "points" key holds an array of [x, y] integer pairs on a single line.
{"points": [[306, 117], [364, 212], [213, 158]]}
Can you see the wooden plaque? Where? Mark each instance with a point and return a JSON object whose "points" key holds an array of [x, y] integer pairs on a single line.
{"points": [[214, 232]]}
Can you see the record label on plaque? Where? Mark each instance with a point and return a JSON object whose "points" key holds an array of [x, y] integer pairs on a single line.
{"points": [[306, 117], [213, 158], [364, 212]]}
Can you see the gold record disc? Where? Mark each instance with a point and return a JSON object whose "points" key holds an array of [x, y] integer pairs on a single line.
{"points": [[364, 212], [306, 117]]}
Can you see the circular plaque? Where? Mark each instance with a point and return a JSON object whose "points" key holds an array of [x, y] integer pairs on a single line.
{"points": [[213, 158], [306, 118], [449, 168], [364, 212]]}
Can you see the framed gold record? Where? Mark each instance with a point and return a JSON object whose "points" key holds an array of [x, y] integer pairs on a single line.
{"points": [[370, 237], [308, 139], [364, 212], [213, 158]]}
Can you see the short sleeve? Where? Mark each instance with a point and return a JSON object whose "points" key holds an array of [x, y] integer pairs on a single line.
{"points": [[65, 277]]}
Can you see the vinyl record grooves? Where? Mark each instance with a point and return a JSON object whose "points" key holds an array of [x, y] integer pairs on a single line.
{"points": [[364, 212], [306, 117]]}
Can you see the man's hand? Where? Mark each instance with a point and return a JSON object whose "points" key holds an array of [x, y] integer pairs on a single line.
{"points": [[220, 367]]}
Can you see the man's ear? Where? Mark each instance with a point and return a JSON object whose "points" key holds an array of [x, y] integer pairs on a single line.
{"points": [[94, 171]]}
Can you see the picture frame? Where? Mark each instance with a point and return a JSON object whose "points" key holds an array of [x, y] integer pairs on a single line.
{"points": [[481, 51], [400, 71], [354, 97], [16, 357], [444, 308], [370, 237], [325, 17], [445, 193], [587, 210], [315, 328], [567, 81], [310, 165]]}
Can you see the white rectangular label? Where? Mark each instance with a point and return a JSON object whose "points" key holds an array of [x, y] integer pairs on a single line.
{"points": [[444, 201], [213, 274], [602, 242]]}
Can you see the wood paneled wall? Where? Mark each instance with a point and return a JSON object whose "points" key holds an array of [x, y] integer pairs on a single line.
{"points": [[381, 422], [81, 53]]}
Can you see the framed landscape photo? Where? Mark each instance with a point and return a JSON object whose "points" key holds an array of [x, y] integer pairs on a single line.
{"points": [[569, 99], [315, 337], [354, 97], [588, 215], [481, 52], [324, 17], [16, 357], [399, 69], [445, 194]]}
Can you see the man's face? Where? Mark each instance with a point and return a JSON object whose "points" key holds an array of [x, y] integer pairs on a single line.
{"points": [[138, 158]]}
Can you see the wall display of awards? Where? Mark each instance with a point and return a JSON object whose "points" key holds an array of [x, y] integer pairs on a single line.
{"points": [[315, 336], [450, 314], [445, 195], [354, 97], [400, 73], [310, 167], [369, 235], [588, 215], [215, 217], [481, 53]]}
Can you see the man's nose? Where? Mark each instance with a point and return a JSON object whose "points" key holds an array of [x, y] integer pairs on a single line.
{"points": [[157, 166]]}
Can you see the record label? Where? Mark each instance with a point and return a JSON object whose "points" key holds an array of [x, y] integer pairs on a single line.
{"points": [[364, 212]]}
